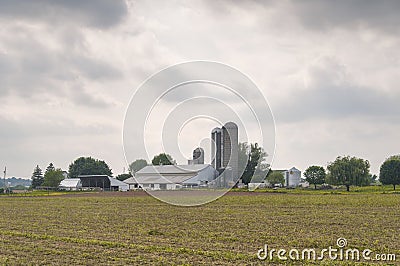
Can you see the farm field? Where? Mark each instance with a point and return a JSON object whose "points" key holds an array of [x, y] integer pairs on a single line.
{"points": [[135, 229]]}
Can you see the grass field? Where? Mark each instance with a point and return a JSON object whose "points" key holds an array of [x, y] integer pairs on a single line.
{"points": [[135, 229]]}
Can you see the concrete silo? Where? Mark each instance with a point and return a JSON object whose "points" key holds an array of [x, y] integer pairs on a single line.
{"points": [[230, 148]]}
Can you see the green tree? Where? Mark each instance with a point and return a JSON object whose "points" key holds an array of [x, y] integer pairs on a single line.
{"points": [[390, 172], [394, 157], [374, 179], [50, 168], [315, 175], [349, 171], [137, 165], [52, 178], [255, 167], [162, 159], [275, 177], [122, 177], [243, 156], [88, 166], [37, 177]]}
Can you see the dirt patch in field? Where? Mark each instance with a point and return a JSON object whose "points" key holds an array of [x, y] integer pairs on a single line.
{"points": [[141, 193]]}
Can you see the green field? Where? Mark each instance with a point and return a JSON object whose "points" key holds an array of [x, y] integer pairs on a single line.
{"points": [[134, 229]]}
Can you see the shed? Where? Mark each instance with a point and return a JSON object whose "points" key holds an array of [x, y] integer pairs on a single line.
{"points": [[72, 184], [103, 182], [117, 185]]}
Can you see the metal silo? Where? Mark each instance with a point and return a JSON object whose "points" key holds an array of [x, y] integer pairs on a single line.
{"points": [[216, 148]]}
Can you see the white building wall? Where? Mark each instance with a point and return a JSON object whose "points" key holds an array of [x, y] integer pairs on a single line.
{"points": [[292, 177], [171, 186]]}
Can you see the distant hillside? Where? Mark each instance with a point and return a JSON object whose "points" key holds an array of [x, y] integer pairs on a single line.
{"points": [[16, 181]]}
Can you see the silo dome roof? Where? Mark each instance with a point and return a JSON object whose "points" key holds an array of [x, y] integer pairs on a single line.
{"points": [[230, 125], [217, 129]]}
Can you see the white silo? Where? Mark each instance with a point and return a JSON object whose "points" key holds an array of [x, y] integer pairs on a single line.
{"points": [[230, 150], [292, 177]]}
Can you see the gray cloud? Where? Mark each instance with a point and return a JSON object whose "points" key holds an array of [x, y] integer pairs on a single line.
{"points": [[327, 15], [320, 15], [331, 94], [30, 66], [99, 13], [68, 60]]}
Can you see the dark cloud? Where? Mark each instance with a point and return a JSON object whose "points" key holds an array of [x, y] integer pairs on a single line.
{"points": [[99, 13], [33, 64]]}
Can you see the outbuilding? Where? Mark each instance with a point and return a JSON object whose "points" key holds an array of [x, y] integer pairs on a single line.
{"points": [[103, 182], [117, 185], [71, 184], [292, 177]]}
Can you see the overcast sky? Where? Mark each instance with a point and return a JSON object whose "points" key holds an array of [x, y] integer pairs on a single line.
{"points": [[329, 70]]}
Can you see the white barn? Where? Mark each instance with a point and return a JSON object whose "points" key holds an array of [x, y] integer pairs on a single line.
{"points": [[169, 177], [132, 183], [71, 184]]}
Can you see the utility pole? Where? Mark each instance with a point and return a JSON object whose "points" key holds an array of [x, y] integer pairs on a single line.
{"points": [[5, 172]]}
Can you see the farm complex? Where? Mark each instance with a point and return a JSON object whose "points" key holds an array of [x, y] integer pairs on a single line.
{"points": [[131, 228]]}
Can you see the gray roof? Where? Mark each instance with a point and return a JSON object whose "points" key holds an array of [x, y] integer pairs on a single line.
{"points": [[92, 176], [159, 179], [171, 169], [167, 174], [116, 183], [130, 180]]}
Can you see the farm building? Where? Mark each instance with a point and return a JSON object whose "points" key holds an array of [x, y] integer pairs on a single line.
{"points": [[168, 177], [103, 182], [292, 177], [132, 183], [71, 184], [117, 185]]}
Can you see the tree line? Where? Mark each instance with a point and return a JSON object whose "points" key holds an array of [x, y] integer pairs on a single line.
{"points": [[81, 166], [345, 170], [353, 171], [89, 166]]}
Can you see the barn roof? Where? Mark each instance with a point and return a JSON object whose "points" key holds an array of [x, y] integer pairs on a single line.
{"points": [[116, 183], [171, 169], [70, 182], [159, 179], [130, 180]]}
